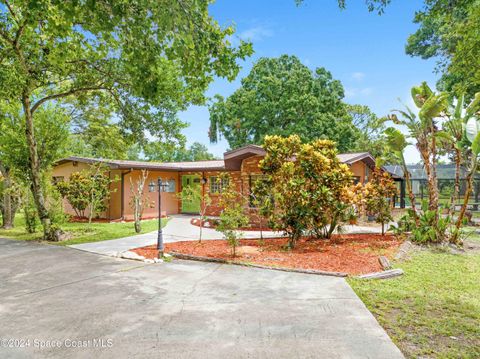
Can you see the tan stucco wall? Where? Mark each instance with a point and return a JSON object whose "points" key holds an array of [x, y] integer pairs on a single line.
{"points": [[114, 212], [169, 200], [115, 205], [359, 170], [65, 170]]}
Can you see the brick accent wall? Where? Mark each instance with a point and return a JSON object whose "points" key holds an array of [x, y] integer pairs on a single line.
{"points": [[241, 179]]}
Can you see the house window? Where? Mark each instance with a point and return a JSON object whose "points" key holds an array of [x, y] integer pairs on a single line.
{"points": [[170, 186], [167, 186], [217, 184], [356, 179]]}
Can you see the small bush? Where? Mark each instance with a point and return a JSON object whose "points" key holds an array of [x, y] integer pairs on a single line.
{"points": [[232, 217]]}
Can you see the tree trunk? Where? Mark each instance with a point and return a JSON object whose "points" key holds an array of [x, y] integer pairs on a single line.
{"points": [[430, 169], [35, 173], [90, 212], [8, 211], [260, 224], [332, 227], [138, 226], [433, 186], [456, 190], [292, 240], [466, 198]]}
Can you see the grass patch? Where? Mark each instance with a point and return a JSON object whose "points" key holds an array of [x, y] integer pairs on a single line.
{"points": [[82, 232], [434, 309]]}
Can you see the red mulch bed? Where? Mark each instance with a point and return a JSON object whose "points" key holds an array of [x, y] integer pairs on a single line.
{"points": [[352, 253]]}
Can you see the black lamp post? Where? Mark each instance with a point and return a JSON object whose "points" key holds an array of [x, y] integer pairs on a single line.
{"points": [[161, 188]]}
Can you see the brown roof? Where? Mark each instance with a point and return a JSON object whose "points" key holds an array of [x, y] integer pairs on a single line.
{"points": [[350, 158], [214, 165], [232, 161], [233, 158]]}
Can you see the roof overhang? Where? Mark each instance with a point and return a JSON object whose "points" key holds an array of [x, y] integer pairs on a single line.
{"points": [[233, 159], [151, 166], [366, 157]]}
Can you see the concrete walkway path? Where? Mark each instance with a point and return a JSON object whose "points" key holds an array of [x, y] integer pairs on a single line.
{"points": [[182, 310], [178, 229]]}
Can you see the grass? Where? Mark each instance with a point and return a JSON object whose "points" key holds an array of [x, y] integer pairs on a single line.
{"points": [[82, 232], [433, 310]]}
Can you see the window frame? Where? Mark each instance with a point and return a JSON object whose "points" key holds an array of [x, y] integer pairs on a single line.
{"points": [[219, 186]]}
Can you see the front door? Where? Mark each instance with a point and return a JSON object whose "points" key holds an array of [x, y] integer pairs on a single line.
{"points": [[193, 205]]}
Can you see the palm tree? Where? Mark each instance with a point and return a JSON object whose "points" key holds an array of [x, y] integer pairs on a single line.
{"points": [[424, 129], [453, 134], [472, 132]]}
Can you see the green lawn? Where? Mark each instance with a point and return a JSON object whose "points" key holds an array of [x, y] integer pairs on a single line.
{"points": [[82, 232], [434, 309]]}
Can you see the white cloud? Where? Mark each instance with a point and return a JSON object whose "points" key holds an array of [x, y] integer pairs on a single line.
{"points": [[359, 76], [256, 33], [355, 92]]}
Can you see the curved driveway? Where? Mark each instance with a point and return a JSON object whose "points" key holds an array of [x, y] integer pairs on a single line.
{"points": [[73, 302]]}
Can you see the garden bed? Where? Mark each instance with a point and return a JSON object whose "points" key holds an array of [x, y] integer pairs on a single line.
{"points": [[352, 253]]}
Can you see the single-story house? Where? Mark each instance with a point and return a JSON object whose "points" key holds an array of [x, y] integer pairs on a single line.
{"points": [[241, 163]]}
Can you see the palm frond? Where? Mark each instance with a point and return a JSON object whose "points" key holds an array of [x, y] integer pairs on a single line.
{"points": [[433, 107], [474, 107]]}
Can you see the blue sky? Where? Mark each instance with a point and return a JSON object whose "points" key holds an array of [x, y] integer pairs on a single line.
{"points": [[363, 50]]}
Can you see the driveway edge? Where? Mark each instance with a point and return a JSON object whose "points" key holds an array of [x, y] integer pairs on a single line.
{"points": [[244, 264]]}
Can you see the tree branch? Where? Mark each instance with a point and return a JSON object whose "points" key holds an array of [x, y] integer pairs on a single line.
{"points": [[14, 16], [65, 94], [98, 69], [18, 35]]}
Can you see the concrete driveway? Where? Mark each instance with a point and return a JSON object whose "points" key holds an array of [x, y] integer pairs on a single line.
{"points": [[68, 301]]}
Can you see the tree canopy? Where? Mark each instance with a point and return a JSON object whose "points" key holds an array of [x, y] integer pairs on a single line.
{"points": [[151, 58], [449, 32], [281, 96], [52, 131], [369, 129], [172, 152]]}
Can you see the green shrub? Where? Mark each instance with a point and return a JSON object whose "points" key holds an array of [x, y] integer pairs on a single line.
{"points": [[426, 231], [232, 217]]}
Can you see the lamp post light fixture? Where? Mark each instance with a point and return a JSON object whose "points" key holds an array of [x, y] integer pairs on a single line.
{"points": [[161, 188]]}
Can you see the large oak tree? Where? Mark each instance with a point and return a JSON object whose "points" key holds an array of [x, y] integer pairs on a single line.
{"points": [[152, 58], [281, 96]]}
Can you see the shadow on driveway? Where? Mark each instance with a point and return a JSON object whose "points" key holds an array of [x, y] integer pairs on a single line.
{"points": [[176, 310]]}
